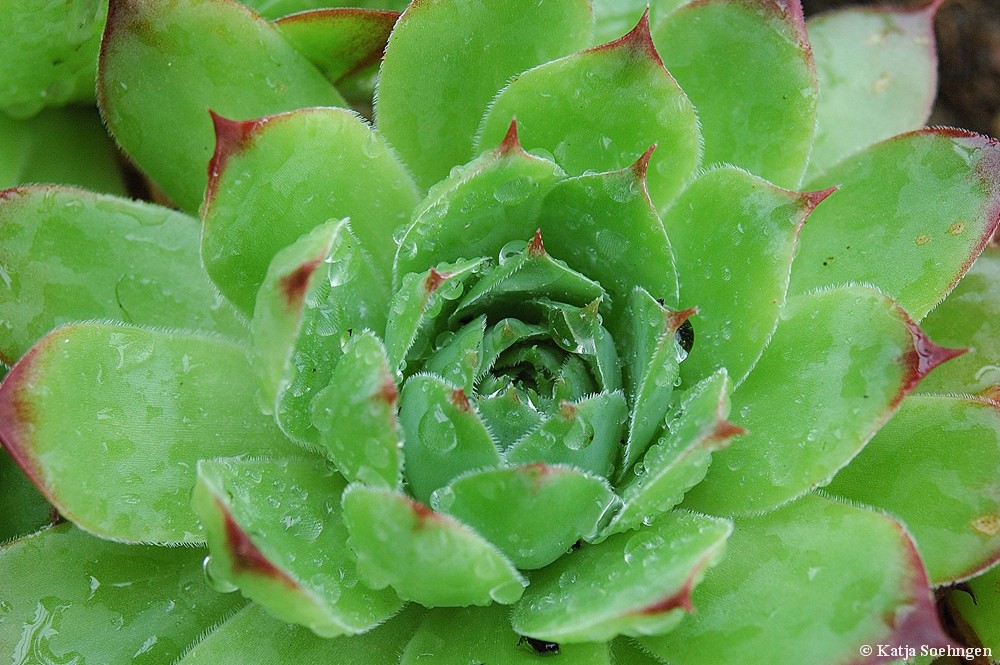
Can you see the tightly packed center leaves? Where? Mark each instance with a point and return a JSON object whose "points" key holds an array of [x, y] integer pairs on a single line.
{"points": [[534, 364]]}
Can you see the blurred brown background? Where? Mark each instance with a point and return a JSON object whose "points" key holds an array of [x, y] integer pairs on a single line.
{"points": [[968, 39]]}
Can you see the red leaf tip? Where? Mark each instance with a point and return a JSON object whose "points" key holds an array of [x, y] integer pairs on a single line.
{"points": [[639, 41], [676, 319], [231, 136], [245, 556], [641, 166], [724, 431], [434, 280], [460, 401], [536, 247], [294, 284], [927, 355], [813, 199], [510, 144]]}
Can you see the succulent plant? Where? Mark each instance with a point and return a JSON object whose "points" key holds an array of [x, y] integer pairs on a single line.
{"points": [[601, 343]]}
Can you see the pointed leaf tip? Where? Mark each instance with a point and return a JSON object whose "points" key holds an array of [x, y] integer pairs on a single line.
{"points": [[641, 166], [924, 357], [675, 320], [510, 144], [639, 41], [434, 280], [813, 199], [231, 136], [536, 247], [294, 284]]}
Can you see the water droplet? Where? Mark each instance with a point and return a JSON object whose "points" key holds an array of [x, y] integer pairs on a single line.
{"points": [[513, 191], [442, 499], [217, 583], [580, 434], [436, 431]]}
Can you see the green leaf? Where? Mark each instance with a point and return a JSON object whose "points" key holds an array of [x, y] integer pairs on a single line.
{"points": [[288, 553], [585, 434], [445, 62], [48, 55], [67, 146], [23, 509], [485, 637], [679, 459], [69, 255], [526, 274], [459, 357], [613, 18], [631, 584], [421, 307], [910, 215], [652, 356], [877, 69], [163, 66], [477, 209], [734, 237], [356, 415], [274, 179], [966, 318], [604, 225], [533, 513], [427, 557], [853, 344], [747, 68], [980, 607], [109, 421], [316, 293], [339, 42], [273, 9], [72, 598], [810, 583], [443, 434], [911, 470], [254, 636], [600, 109]]}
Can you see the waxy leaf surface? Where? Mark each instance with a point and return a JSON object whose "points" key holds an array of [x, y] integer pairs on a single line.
{"points": [[339, 42], [837, 368], [477, 210], [427, 557], [734, 237], [600, 109], [109, 421], [877, 70], [934, 467], [967, 318], [48, 54], [633, 583], [69, 255], [163, 66], [443, 433], [66, 593], [316, 293], [910, 215], [356, 415], [605, 226], [274, 179], [532, 513], [69, 146], [445, 61], [747, 68], [679, 459], [23, 509], [253, 634], [289, 553], [822, 578], [485, 637]]}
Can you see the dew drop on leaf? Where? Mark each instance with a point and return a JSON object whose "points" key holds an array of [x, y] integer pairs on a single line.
{"points": [[436, 431]]}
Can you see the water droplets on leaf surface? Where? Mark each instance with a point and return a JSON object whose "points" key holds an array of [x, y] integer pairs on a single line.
{"points": [[436, 431]]}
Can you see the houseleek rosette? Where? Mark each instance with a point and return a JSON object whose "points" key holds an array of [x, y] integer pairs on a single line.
{"points": [[463, 388]]}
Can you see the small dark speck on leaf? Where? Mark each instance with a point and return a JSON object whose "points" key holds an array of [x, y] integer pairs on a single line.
{"points": [[540, 647]]}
